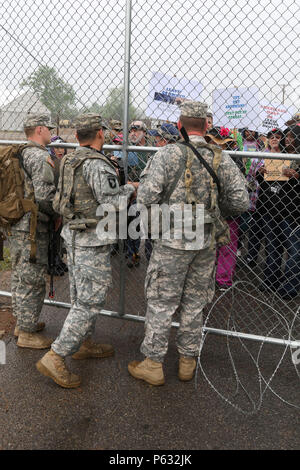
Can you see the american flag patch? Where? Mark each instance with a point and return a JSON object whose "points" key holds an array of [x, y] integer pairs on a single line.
{"points": [[50, 161]]}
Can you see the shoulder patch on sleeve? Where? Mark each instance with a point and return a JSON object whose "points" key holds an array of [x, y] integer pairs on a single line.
{"points": [[50, 161]]}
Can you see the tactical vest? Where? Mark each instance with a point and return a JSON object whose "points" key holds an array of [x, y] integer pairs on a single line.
{"points": [[74, 199], [212, 215], [220, 228]]}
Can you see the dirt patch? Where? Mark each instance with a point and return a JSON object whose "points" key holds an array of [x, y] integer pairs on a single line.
{"points": [[7, 320]]}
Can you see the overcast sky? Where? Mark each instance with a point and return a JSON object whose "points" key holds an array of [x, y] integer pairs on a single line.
{"points": [[219, 44]]}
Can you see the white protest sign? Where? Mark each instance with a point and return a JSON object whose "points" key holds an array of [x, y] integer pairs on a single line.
{"points": [[163, 91], [274, 115], [236, 107]]}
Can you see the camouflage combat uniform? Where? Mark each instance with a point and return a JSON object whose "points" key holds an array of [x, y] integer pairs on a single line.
{"points": [[28, 285], [88, 256], [180, 277]]}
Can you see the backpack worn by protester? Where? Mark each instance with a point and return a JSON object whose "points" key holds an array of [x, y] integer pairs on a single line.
{"points": [[13, 205]]}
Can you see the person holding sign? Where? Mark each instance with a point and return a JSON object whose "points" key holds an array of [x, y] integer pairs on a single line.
{"points": [[256, 226], [278, 205], [290, 285]]}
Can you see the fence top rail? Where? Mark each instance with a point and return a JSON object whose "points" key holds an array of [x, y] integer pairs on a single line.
{"points": [[133, 148]]}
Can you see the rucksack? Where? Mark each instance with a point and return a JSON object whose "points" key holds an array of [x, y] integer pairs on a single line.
{"points": [[221, 231], [63, 199], [220, 228], [13, 205]]}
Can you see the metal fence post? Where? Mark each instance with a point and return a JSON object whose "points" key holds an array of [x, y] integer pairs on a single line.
{"points": [[125, 139]]}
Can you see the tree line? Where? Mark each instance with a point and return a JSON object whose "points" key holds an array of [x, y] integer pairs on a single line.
{"points": [[60, 97]]}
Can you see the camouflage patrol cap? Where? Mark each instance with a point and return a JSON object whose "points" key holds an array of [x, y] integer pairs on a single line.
{"points": [[193, 109], [116, 125], [89, 121], [38, 119]]}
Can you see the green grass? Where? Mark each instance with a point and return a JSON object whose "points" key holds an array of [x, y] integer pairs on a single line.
{"points": [[6, 264]]}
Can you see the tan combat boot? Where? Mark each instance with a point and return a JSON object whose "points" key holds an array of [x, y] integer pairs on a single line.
{"points": [[40, 326], [52, 365], [187, 366], [148, 370], [33, 340], [89, 349]]}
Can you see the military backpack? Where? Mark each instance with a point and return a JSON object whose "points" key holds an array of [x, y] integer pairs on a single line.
{"points": [[13, 204], [74, 200]]}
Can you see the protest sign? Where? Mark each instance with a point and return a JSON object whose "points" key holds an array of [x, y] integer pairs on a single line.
{"points": [[275, 169], [273, 115], [164, 92], [236, 108]]}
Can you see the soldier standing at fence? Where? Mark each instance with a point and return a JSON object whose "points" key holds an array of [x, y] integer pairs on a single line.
{"points": [[178, 278], [87, 179], [28, 283]]}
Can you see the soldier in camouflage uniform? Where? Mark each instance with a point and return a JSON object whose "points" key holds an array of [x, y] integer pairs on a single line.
{"points": [[114, 128], [180, 277], [93, 182], [28, 283]]}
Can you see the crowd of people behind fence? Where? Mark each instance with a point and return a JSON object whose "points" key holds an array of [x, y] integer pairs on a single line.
{"points": [[273, 215]]}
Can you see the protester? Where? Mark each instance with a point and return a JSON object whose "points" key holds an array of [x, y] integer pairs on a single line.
{"points": [[210, 121], [226, 255], [256, 224], [137, 136], [278, 206], [290, 281]]}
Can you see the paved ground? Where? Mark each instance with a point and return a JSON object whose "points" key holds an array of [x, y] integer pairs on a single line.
{"points": [[111, 410]]}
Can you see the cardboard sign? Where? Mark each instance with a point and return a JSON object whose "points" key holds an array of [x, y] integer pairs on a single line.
{"points": [[236, 108], [273, 115], [164, 91], [275, 168]]}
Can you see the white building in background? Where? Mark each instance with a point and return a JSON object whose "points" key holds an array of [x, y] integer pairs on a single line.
{"points": [[13, 114]]}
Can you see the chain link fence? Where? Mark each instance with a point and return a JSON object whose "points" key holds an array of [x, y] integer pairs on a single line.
{"points": [[134, 62]]}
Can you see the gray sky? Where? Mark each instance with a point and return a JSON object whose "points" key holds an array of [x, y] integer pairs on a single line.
{"points": [[220, 44]]}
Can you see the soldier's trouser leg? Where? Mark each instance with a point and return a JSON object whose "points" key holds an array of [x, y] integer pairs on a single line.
{"points": [[72, 282], [164, 285], [13, 288], [28, 279], [90, 274], [199, 289]]}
